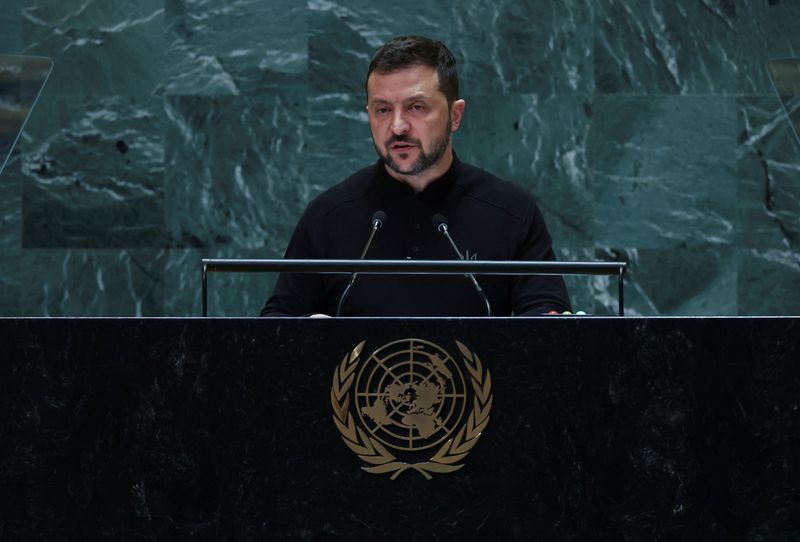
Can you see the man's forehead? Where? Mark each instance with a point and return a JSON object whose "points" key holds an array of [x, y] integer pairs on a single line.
{"points": [[411, 80]]}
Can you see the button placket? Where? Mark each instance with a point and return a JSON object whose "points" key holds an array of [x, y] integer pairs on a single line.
{"points": [[414, 232]]}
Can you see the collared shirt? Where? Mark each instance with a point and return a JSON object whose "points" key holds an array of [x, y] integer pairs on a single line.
{"points": [[489, 219]]}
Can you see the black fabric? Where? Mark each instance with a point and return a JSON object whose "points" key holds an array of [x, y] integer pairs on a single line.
{"points": [[489, 219]]}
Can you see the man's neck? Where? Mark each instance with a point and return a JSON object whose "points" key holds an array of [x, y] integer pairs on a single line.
{"points": [[418, 183]]}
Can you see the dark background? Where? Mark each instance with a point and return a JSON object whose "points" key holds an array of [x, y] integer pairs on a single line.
{"points": [[217, 429]]}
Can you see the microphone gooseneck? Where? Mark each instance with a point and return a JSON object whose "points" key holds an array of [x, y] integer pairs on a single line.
{"points": [[440, 223], [378, 218], [376, 222]]}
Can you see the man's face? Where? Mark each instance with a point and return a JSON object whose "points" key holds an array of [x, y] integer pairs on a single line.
{"points": [[410, 120]]}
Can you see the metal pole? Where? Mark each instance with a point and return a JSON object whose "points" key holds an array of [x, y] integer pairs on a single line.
{"points": [[454, 267], [415, 267], [205, 289]]}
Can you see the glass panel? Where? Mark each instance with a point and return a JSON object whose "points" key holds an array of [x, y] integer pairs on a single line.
{"points": [[785, 75], [21, 80]]}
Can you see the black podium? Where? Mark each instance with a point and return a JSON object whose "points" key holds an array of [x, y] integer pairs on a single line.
{"points": [[224, 429]]}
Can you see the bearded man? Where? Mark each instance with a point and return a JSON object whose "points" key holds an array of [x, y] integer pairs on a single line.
{"points": [[414, 108]]}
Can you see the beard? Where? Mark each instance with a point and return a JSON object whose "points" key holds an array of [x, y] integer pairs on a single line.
{"points": [[425, 160]]}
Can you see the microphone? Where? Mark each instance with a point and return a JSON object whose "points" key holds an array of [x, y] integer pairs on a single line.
{"points": [[377, 221], [440, 223]]}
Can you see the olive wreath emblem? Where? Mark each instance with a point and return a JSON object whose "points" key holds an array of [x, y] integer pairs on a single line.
{"points": [[447, 458]]}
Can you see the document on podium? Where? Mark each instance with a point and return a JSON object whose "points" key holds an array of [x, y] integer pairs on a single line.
{"points": [[785, 76], [21, 81]]}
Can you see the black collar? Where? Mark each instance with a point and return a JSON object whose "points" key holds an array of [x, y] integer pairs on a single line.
{"points": [[434, 194]]}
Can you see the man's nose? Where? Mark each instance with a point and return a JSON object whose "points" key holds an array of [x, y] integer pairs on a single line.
{"points": [[399, 124]]}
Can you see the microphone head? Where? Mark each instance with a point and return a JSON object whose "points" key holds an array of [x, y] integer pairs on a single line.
{"points": [[440, 222], [378, 219]]}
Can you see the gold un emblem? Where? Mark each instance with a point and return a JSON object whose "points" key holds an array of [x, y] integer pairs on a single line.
{"points": [[410, 398]]}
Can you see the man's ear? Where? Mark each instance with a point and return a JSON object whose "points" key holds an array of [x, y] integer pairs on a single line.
{"points": [[456, 114]]}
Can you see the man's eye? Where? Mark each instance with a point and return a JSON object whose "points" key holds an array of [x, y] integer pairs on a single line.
{"points": [[417, 107]]}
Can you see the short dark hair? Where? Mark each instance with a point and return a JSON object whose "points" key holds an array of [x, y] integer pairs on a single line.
{"points": [[406, 51]]}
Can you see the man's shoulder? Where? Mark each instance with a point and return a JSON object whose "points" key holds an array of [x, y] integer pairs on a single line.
{"points": [[490, 189], [351, 190]]}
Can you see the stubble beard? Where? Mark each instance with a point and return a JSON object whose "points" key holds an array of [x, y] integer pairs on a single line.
{"points": [[424, 161]]}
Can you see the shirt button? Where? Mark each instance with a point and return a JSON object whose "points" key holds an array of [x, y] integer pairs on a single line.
{"points": [[415, 249]]}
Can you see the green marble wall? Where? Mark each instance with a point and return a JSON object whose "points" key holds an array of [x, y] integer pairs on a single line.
{"points": [[173, 130]]}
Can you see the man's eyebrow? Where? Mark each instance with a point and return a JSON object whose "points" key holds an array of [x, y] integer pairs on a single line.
{"points": [[414, 98]]}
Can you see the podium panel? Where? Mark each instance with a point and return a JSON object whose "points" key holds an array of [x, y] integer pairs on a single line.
{"points": [[225, 429]]}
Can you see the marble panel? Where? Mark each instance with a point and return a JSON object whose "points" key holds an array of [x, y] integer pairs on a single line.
{"points": [[500, 47], [764, 31], [677, 282], [339, 141], [688, 174], [598, 295], [235, 170], [540, 144], [768, 165], [341, 70], [664, 171], [235, 47], [93, 173], [92, 282], [183, 283], [10, 34], [378, 22], [10, 281], [683, 281], [655, 47], [229, 294], [530, 46], [10, 204], [769, 281], [688, 47], [10, 236], [99, 47]]}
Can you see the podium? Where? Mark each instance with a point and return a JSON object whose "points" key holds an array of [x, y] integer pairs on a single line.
{"points": [[223, 429]]}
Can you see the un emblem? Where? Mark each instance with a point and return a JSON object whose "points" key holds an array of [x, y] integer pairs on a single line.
{"points": [[410, 398]]}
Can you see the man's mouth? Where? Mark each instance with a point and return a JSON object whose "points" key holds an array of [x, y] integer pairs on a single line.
{"points": [[401, 146]]}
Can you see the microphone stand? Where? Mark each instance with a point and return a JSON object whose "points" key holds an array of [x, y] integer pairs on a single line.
{"points": [[441, 224], [377, 222]]}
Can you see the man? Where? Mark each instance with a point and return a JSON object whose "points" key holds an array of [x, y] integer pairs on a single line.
{"points": [[413, 105]]}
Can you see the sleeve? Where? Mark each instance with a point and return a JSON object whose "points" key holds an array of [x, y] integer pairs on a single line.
{"points": [[533, 295], [297, 294]]}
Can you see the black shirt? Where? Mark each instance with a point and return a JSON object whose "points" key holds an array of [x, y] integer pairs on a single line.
{"points": [[489, 219]]}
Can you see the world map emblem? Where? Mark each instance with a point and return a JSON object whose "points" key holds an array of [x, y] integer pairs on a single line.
{"points": [[411, 405]]}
